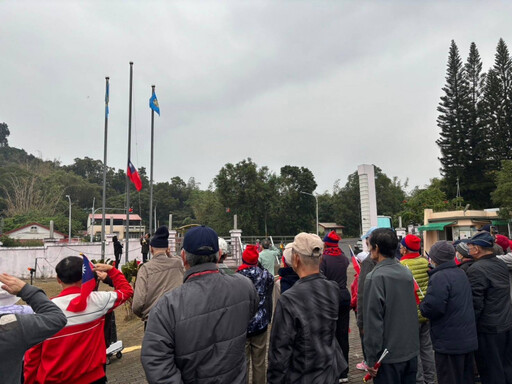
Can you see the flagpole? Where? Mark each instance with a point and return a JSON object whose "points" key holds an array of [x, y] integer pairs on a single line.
{"points": [[151, 170], [129, 153], [107, 96]]}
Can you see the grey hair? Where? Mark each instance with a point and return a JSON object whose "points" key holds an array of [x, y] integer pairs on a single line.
{"points": [[311, 260], [201, 259]]}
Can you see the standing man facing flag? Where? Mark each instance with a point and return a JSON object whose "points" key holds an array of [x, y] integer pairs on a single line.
{"points": [[77, 354], [133, 175]]}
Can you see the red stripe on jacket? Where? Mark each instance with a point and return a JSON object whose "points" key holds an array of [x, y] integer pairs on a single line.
{"points": [[77, 353]]}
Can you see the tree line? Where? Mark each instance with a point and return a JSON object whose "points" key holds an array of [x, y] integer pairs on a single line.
{"points": [[266, 203]]}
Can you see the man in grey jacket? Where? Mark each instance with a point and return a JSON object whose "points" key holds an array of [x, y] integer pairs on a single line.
{"points": [[390, 314], [157, 276], [18, 333], [196, 333]]}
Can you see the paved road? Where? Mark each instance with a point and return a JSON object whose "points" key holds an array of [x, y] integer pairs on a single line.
{"points": [[129, 370]]}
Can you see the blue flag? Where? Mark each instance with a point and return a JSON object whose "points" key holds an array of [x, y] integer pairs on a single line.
{"points": [[106, 99], [153, 104]]}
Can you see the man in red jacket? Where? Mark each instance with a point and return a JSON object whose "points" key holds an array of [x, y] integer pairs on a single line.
{"points": [[77, 354]]}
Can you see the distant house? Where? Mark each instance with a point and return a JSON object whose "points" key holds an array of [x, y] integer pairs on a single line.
{"points": [[328, 227], [115, 224], [34, 231]]}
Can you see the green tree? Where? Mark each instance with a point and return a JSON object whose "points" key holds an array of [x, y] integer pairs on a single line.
{"points": [[4, 134], [502, 196], [247, 191], [347, 206], [453, 122], [432, 197], [497, 106], [326, 207], [89, 169], [208, 210], [295, 211], [477, 173]]}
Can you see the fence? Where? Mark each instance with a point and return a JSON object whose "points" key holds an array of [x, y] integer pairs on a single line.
{"points": [[17, 261]]}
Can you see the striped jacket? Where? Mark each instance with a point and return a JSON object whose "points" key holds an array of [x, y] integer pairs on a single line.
{"points": [[77, 353], [419, 267]]}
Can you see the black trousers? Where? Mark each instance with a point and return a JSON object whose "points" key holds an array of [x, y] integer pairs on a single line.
{"points": [[494, 357], [144, 257], [455, 369], [398, 373], [342, 332]]}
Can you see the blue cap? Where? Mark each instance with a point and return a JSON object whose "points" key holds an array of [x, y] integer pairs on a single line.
{"points": [[201, 241], [483, 239], [367, 234]]}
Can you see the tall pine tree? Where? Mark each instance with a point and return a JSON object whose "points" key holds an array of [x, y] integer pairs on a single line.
{"points": [[492, 117], [453, 120], [497, 106], [503, 68], [477, 183]]}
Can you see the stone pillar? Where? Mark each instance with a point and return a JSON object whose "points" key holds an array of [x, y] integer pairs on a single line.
{"points": [[236, 241], [172, 241], [368, 198]]}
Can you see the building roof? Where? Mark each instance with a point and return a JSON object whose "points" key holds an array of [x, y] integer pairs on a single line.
{"points": [[115, 216], [30, 225], [331, 225]]}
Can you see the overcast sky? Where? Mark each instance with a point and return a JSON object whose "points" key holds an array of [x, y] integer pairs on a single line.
{"points": [[326, 85]]}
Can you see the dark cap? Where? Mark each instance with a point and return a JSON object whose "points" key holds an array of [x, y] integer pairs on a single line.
{"points": [[442, 251], [161, 238], [463, 249], [483, 239], [201, 241]]}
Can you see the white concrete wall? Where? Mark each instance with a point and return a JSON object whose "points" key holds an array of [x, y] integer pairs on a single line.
{"points": [[16, 261]]}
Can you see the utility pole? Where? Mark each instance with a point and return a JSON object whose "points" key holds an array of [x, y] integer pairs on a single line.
{"points": [[69, 224]]}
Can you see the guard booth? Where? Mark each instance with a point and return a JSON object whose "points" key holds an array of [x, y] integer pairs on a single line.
{"points": [[455, 225]]}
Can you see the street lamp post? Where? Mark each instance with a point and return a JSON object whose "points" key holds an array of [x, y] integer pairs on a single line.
{"points": [[69, 225], [316, 200]]}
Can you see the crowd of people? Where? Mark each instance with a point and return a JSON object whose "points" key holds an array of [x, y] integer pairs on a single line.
{"points": [[421, 319]]}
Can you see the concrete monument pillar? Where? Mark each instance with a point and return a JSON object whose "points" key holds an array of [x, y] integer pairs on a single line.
{"points": [[368, 196]]}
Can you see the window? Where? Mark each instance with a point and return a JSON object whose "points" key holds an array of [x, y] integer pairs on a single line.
{"points": [[33, 229]]}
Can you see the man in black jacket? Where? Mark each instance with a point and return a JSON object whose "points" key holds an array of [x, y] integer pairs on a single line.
{"points": [[196, 333], [490, 285], [448, 305], [303, 346], [334, 267]]}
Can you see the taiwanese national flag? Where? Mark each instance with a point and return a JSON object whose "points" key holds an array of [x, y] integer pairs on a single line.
{"points": [[79, 303], [133, 175], [355, 262]]}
